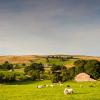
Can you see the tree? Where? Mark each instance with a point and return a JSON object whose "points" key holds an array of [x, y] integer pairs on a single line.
{"points": [[59, 73], [55, 68], [79, 66], [34, 70], [6, 76], [71, 73], [34, 74], [64, 75], [7, 66], [92, 67]]}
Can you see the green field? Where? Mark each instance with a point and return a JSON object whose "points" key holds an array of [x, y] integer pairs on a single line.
{"points": [[29, 91]]}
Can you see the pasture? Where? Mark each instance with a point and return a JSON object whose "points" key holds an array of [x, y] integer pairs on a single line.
{"points": [[29, 91]]}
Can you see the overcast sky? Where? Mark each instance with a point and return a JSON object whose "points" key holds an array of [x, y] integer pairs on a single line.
{"points": [[49, 27]]}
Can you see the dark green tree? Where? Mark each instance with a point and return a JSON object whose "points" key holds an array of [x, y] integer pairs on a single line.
{"points": [[92, 67], [59, 73], [79, 66], [7, 66], [35, 70]]}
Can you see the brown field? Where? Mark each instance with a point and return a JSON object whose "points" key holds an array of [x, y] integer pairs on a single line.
{"points": [[88, 57], [18, 59]]}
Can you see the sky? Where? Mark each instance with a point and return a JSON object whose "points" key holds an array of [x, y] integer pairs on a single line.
{"points": [[50, 27]]}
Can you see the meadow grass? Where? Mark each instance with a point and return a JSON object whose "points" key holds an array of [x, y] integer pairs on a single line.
{"points": [[29, 91]]}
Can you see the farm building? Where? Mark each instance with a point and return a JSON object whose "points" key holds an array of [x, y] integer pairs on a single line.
{"points": [[83, 77]]}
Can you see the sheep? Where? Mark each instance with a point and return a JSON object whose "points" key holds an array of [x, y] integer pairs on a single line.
{"points": [[41, 86], [68, 91], [52, 85]]}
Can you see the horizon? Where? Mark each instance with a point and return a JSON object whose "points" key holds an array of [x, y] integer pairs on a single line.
{"points": [[50, 55], [43, 27]]}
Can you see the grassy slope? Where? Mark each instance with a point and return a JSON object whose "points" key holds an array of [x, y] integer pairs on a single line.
{"points": [[28, 91]]}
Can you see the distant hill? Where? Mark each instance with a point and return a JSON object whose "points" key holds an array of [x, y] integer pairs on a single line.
{"points": [[87, 57], [28, 58], [18, 59]]}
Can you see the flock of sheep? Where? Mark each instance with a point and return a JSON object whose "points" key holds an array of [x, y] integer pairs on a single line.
{"points": [[52, 85], [67, 90]]}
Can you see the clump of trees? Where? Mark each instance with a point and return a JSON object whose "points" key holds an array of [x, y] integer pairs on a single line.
{"points": [[6, 66], [91, 67], [59, 73], [34, 70]]}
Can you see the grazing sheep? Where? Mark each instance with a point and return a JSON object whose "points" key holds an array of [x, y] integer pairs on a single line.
{"points": [[52, 85], [68, 91], [41, 86]]}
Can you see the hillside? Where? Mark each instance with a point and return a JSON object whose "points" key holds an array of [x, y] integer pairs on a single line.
{"points": [[18, 59], [28, 58]]}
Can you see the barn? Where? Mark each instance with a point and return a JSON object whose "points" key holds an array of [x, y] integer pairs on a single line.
{"points": [[83, 77]]}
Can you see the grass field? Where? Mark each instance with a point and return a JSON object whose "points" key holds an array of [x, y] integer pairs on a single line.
{"points": [[28, 91]]}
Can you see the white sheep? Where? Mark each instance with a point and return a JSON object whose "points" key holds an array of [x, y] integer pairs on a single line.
{"points": [[40, 86], [68, 91], [52, 85]]}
